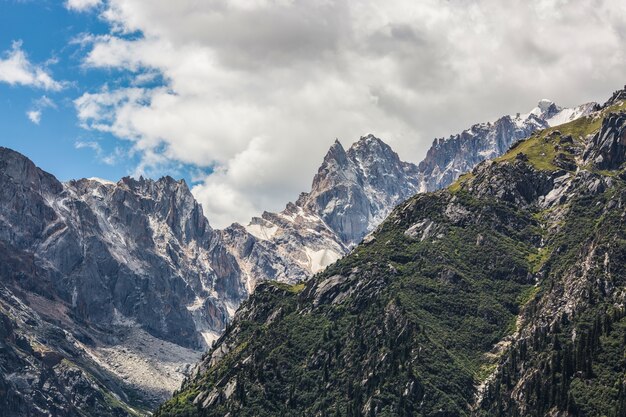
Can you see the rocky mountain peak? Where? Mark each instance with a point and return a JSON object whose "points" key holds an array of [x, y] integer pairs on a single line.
{"points": [[168, 201], [369, 150], [351, 194], [17, 169], [546, 104], [449, 158], [355, 189], [336, 155], [619, 95]]}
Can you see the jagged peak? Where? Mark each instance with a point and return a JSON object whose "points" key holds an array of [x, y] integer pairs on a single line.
{"points": [[166, 181], [370, 145], [336, 152], [545, 104], [21, 169], [369, 140], [619, 95]]}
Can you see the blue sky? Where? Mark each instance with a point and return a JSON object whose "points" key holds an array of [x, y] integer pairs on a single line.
{"points": [[243, 98], [47, 32]]}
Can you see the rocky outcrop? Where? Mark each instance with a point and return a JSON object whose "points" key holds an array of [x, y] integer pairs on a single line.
{"points": [[607, 149]]}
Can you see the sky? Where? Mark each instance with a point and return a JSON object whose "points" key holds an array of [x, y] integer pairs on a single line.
{"points": [[242, 98]]}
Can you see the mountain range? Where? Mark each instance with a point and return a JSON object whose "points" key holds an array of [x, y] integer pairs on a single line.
{"points": [[502, 295], [111, 291]]}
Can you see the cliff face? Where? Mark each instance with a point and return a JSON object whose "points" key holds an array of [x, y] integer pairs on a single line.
{"points": [[116, 266], [141, 249], [501, 295]]}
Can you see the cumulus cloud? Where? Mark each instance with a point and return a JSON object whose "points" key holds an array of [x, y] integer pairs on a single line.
{"points": [[82, 5], [16, 69], [257, 90], [34, 116]]}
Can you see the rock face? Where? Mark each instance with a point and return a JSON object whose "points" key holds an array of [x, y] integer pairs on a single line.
{"points": [[354, 191], [448, 158], [608, 146], [38, 379], [138, 249], [502, 295], [103, 260]]}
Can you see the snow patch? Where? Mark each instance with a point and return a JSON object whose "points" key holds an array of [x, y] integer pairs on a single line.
{"points": [[101, 181], [262, 232], [320, 259]]}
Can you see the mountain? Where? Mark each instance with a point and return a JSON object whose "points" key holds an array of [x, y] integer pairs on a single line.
{"points": [[352, 192], [502, 295], [448, 158], [124, 274], [355, 190], [109, 292]]}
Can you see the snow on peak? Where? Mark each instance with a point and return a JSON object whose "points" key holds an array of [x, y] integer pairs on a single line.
{"points": [[101, 181], [544, 104]]}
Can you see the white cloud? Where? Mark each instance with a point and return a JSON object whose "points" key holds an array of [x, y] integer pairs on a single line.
{"points": [[34, 116], [82, 5], [258, 89], [111, 158], [16, 69]]}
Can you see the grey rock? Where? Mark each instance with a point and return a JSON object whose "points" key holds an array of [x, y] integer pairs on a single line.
{"points": [[607, 149]]}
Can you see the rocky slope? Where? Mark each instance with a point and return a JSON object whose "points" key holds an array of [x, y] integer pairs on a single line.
{"points": [[502, 295]]}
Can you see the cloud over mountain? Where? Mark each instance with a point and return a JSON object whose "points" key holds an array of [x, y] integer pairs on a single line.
{"points": [[254, 91]]}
